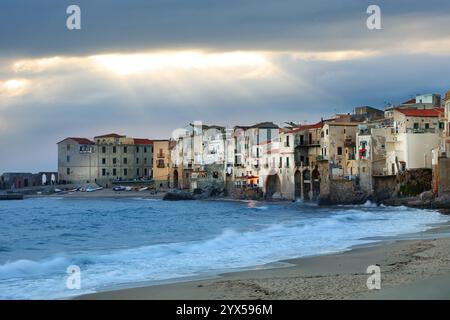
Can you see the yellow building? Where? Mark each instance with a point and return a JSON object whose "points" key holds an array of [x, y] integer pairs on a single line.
{"points": [[161, 163]]}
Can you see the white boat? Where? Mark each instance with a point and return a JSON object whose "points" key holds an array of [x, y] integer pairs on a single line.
{"points": [[92, 189], [143, 189]]}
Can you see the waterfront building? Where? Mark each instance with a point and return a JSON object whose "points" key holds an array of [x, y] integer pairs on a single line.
{"points": [[420, 101], [161, 163], [416, 132], [108, 158], [77, 160], [306, 154], [371, 152]]}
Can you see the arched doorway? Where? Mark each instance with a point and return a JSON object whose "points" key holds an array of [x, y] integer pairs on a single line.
{"points": [[298, 184], [306, 184], [44, 179], [175, 179], [316, 183], [273, 185]]}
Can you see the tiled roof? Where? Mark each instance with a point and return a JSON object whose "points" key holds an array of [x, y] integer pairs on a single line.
{"points": [[142, 141], [79, 140], [317, 125], [110, 135], [410, 101], [421, 112]]}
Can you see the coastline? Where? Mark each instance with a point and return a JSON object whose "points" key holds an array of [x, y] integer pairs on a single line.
{"points": [[415, 266]]}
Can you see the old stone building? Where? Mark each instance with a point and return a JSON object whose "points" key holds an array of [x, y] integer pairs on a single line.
{"points": [[108, 158], [77, 160], [415, 134], [161, 163]]}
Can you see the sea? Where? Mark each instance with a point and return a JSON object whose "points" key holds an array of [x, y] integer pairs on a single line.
{"points": [[119, 243]]}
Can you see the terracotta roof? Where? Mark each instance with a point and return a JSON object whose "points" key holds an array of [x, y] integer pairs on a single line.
{"points": [[410, 101], [142, 141], [79, 140], [317, 125], [110, 135], [421, 112]]}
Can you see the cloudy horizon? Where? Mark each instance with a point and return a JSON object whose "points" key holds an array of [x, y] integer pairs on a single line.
{"points": [[148, 67]]}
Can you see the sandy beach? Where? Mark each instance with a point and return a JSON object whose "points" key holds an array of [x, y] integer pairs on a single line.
{"points": [[413, 267]]}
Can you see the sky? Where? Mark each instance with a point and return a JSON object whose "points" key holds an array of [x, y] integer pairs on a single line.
{"points": [[144, 68]]}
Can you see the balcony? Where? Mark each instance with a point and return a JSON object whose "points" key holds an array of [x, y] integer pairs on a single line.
{"points": [[422, 130], [321, 158], [161, 155], [308, 144]]}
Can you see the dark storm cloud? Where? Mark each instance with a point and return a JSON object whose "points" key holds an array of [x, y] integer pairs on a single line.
{"points": [[38, 27], [412, 56]]}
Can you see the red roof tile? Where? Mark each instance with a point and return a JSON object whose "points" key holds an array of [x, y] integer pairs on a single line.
{"points": [[79, 140], [410, 101], [142, 141], [110, 135], [317, 125], [421, 112]]}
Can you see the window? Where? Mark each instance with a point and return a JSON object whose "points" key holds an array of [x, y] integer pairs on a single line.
{"points": [[160, 163], [327, 132], [137, 160], [287, 162], [68, 171], [287, 141], [125, 149], [427, 126], [339, 151], [114, 171], [125, 172], [114, 160], [103, 160], [280, 164], [125, 160], [103, 149], [145, 160], [68, 147], [416, 125], [441, 125], [137, 172], [103, 172], [137, 149], [145, 149], [114, 149], [145, 171], [68, 158]]}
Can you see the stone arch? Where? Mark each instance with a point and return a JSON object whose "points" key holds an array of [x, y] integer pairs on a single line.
{"points": [[298, 184], [175, 179], [306, 184], [273, 186], [315, 183]]}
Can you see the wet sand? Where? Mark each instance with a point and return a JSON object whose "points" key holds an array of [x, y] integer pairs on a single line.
{"points": [[410, 269]]}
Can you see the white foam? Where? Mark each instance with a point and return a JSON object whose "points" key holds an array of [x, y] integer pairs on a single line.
{"points": [[229, 250]]}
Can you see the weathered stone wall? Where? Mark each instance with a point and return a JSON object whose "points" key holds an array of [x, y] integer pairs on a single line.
{"points": [[444, 176], [384, 187], [343, 191], [247, 193], [414, 182]]}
